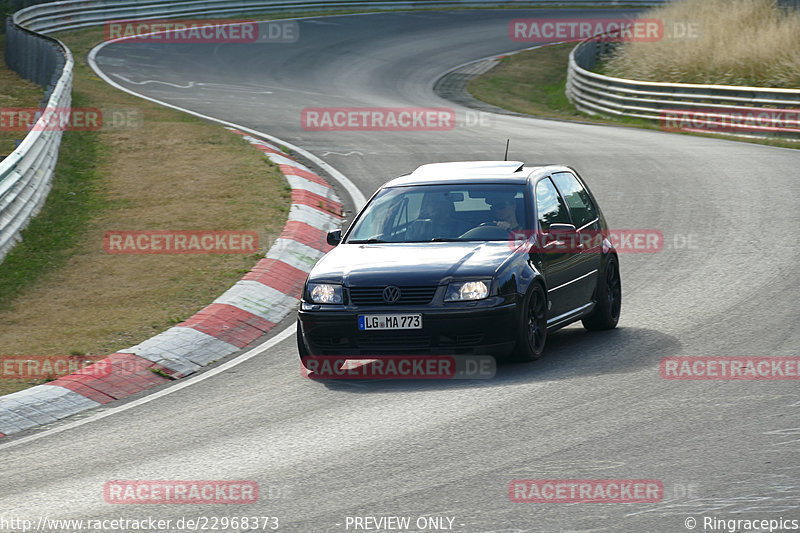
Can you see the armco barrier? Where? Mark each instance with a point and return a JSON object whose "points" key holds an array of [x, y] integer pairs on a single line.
{"points": [[26, 175], [597, 94], [72, 14]]}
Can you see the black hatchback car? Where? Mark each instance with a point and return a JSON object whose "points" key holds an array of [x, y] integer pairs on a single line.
{"points": [[478, 257]]}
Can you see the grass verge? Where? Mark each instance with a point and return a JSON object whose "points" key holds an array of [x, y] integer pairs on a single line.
{"points": [[50, 238], [534, 83]]}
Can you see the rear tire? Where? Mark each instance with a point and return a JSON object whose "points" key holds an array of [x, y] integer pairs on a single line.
{"points": [[532, 334], [608, 299]]}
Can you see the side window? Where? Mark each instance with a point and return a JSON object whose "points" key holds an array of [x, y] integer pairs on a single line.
{"points": [[550, 207], [578, 200]]}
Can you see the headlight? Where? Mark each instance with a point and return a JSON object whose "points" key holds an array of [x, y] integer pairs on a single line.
{"points": [[467, 290], [325, 293]]}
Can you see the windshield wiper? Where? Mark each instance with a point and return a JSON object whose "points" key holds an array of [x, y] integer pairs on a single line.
{"points": [[379, 241], [436, 239]]}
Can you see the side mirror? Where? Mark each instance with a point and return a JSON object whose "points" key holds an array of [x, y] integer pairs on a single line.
{"points": [[335, 237], [561, 230]]}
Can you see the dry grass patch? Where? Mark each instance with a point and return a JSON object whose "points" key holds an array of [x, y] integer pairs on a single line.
{"points": [[176, 173], [741, 42]]}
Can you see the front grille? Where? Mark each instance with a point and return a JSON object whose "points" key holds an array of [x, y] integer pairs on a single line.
{"points": [[393, 339], [330, 341], [408, 295], [461, 340]]}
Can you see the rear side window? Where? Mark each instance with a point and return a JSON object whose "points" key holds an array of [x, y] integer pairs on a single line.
{"points": [[580, 204], [550, 207]]}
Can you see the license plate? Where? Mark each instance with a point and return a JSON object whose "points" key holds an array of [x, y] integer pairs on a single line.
{"points": [[371, 322]]}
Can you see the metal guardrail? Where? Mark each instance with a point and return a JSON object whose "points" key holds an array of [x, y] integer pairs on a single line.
{"points": [[73, 14], [26, 175], [34, 57], [723, 109]]}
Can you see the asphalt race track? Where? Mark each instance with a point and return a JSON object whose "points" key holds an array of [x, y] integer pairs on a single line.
{"points": [[595, 407]]}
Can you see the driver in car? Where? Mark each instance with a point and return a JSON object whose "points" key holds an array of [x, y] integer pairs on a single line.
{"points": [[435, 220], [504, 212]]}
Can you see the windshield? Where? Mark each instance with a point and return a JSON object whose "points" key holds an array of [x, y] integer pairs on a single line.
{"points": [[431, 213]]}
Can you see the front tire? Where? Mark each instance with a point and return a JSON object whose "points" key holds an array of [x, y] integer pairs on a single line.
{"points": [[532, 334], [605, 314]]}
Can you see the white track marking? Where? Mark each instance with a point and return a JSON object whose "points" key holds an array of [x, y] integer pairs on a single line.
{"points": [[356, 152], [145, 82]]}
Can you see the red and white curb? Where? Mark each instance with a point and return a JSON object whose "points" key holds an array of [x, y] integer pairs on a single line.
{"points": [[245, 312]]}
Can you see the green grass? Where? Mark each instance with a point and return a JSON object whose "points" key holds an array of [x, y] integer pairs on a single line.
{"points": [[530, 82], [51, 237], [535, 83]]}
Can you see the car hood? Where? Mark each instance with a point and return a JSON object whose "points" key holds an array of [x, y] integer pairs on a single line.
{"points": [[407, 264]]}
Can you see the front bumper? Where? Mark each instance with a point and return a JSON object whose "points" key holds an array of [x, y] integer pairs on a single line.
{"points": [[484, 330]]}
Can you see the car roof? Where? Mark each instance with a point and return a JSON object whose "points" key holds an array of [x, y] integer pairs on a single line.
{"points": [[471, 172]]}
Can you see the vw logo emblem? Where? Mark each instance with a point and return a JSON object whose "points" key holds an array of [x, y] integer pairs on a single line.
{"points": [[391, 294]]}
